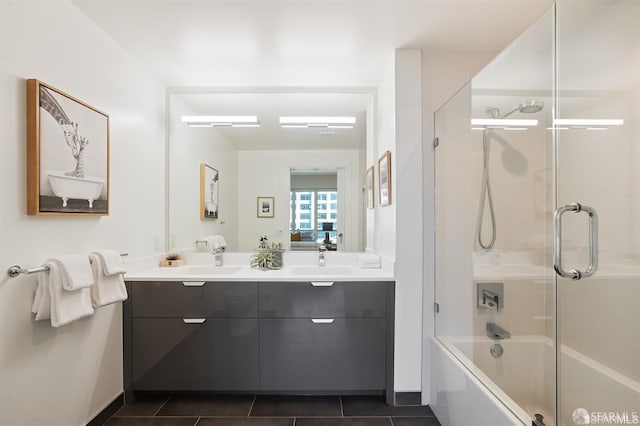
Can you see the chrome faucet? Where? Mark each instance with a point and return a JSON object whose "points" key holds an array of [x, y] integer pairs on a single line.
{"points": [[496, 332], [218, 260], [321, 259]]}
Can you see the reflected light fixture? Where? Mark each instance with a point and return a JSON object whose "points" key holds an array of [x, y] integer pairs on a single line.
{"points": [[503, 123], [588, 122], [221, 120], [585, 123], [324, 122]]}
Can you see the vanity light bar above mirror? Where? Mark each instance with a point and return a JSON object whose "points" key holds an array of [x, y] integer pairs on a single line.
{"points": [[326, 122], [221, 120]]}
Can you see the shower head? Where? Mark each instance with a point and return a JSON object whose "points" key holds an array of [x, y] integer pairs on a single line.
{"points": [[527, 107], [530, 106]]}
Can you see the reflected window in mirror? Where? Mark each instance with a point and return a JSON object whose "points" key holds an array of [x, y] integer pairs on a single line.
{"points": [[314, 219]]}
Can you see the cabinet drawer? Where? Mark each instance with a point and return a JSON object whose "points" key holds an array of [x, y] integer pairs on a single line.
{"points": [[199, 299], [300, 355], [306, 300], [214, 355]]}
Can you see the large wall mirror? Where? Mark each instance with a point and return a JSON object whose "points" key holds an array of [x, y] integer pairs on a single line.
{"points": [[299, 183]]}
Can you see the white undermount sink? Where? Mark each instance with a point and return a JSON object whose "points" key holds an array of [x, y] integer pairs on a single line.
{"points": [[322, 270], [208, 270]]}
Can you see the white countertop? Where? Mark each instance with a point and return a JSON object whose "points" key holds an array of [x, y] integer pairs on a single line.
{"points": [[298, 267]]}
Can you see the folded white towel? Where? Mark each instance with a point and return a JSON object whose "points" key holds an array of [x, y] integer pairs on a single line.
{"points": [[221, 242], [75, 270], [212, 243], [111, 262], [108, 288], [368, 260], [64, 306], [42, 300]]}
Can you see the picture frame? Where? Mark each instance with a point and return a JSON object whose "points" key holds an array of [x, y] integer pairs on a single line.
{"points": [[371, 194], [209, 190], [384, 179], [67, 154], [265, 207]]}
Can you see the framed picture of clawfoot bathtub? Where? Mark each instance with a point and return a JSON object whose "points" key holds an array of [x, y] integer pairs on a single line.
{"points": [[67, 154], [209, 178]]}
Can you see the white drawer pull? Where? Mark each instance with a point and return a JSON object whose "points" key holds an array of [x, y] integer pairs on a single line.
{"points": [[322, 320], [193, 283], [322, 283], [193, 320]]}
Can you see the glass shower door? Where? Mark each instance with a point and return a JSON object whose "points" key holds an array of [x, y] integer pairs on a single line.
{"points": [[597, 256], [495, 285]]}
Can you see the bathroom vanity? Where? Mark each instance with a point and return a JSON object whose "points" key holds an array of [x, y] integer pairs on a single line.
{"points": [[256, 331]]}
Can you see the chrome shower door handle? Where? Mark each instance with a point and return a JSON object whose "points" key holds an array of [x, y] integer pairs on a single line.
{"points": [[575, 274]]}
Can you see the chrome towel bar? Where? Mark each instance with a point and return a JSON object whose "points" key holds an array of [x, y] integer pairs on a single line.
{"points": [[16, 270]]}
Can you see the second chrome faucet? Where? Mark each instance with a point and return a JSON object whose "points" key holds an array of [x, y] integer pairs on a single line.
{"points": [[321, 259]]}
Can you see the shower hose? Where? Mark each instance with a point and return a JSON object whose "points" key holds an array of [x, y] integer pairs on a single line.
{"points": [[485, 193]]}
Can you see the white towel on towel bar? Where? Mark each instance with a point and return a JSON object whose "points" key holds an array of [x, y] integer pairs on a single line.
{"points": [[64, 306], [108, 288], [75, 270], [42, 300], [111, 262]]}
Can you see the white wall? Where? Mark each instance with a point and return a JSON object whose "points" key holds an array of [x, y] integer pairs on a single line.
{"points": [[189, 147], [267, 174], [408, 197], [385, 217], [415, 84], [64, 376], [369, 159]]}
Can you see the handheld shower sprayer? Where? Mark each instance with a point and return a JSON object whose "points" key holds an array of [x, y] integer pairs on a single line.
{"points": [[529, 106]]}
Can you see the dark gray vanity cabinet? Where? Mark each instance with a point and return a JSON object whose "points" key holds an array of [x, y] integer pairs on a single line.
{"points": [[194, 336], [272, 337], [323, 336]]}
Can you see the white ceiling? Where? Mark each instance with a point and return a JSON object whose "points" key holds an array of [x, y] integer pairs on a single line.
{"points": [[298, 43]]}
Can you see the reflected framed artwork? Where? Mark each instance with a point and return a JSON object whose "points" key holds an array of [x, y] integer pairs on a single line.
{"points": [[265, 207], [384, 179], [209, 180], [67, 154], [371, 187]]}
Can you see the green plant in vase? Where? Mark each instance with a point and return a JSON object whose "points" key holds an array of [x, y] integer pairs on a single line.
{"points": [[261, 260], [268, 256]]}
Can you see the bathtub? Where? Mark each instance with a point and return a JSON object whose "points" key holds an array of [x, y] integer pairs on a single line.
{"points": [[523, 379], [66, 187]]}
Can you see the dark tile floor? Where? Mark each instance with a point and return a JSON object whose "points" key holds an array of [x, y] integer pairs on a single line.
{"points": [[269, 410]]}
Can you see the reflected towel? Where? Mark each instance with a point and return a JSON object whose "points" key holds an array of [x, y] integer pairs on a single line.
{"points": [[75, 271], [108, 288], [212, 243], [369, 260], [215, 242], [221, 242]]}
